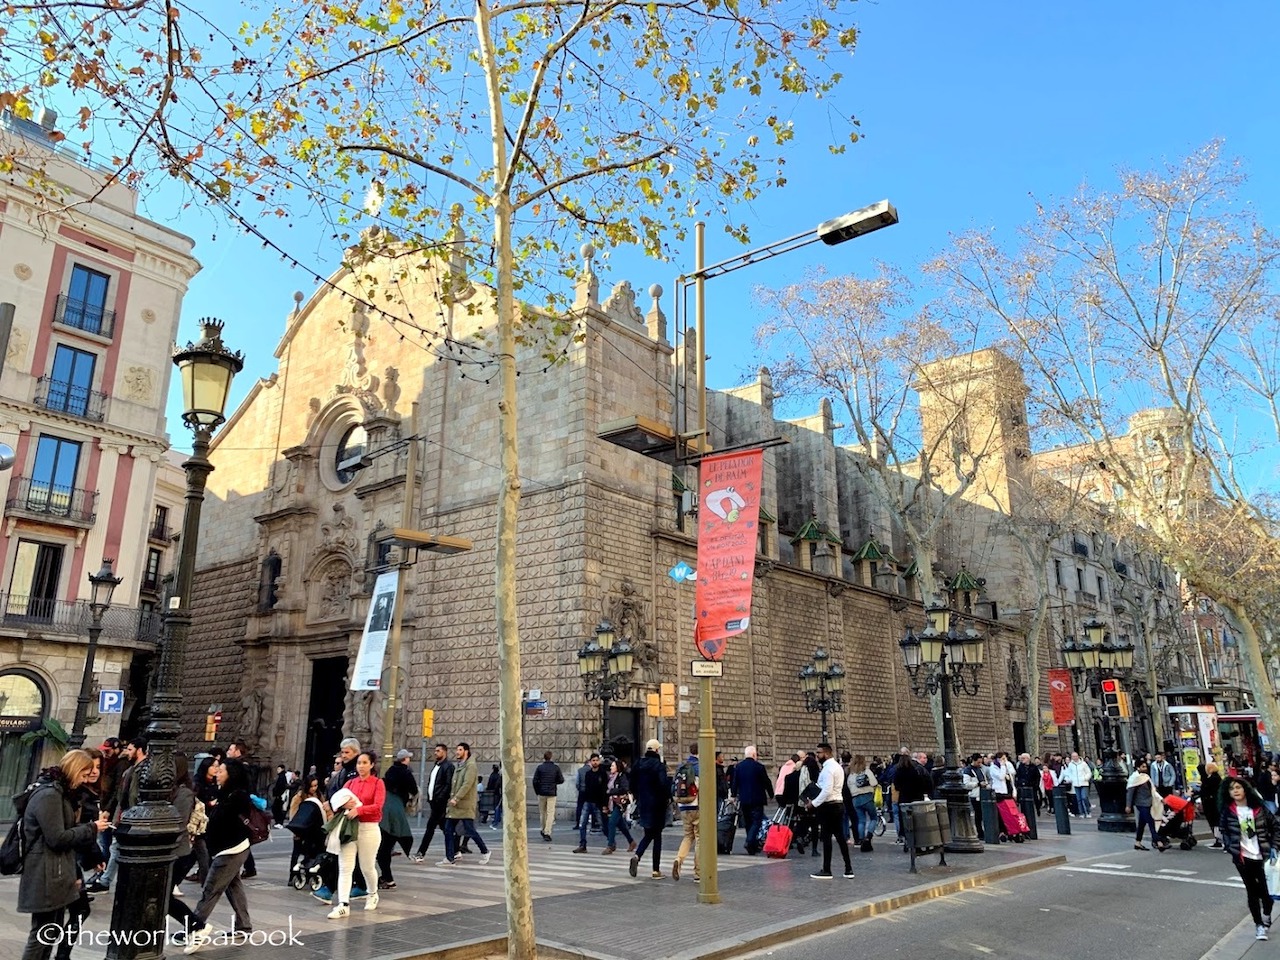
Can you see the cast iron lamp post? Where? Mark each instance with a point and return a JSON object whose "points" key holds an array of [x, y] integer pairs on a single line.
{"points": [[149, 830], [1091, 661], [949, 661], [823, 686], [101, 586], [605, 664]]}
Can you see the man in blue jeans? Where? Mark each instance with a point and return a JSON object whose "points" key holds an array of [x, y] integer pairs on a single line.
{"points": [[595, 797]]}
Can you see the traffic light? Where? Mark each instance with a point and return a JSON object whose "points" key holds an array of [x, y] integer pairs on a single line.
{"points": [[1114, 699]]}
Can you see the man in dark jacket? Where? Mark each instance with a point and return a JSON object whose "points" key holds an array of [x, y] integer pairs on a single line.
{"points": [[594, 797], [436, 791], [546, 782], [651, 786], [126, 795], [1027, 776], [752, 786]]}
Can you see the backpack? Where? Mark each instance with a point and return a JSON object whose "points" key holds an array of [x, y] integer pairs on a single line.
{"points": [[685, 785], [199, 821], [14, 849]]}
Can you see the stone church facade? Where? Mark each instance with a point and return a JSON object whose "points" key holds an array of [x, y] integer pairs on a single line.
{"points": [[290, 546]]}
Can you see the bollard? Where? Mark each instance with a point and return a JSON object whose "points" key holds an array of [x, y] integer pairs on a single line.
{"points": [[991, 826], [1060, 815], [1027, 804]]}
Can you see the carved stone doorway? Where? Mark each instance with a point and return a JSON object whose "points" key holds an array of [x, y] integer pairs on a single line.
{"points": [[324, 712]]}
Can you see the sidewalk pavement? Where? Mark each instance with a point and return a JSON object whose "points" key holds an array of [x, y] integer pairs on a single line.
{"points": [[587, 906]]}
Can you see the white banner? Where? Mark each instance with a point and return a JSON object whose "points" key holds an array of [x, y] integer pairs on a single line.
{"points": [[377, 625]]}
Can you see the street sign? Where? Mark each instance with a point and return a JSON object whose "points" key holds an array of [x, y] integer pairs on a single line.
{"points": [[707, 668], [534, 694], [535, 709], [682, 573], [111, 701], [686, 707], [428, 723]]}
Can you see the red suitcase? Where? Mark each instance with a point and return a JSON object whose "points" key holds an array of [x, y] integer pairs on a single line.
{"points": [[1015, 824], [777, 840]]}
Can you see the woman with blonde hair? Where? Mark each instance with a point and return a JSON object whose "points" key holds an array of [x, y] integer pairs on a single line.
{"points": [[862, 787], [50, 882]]}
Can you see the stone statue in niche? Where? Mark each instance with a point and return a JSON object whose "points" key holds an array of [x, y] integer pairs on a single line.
{"points": [[361, 706], [626, 611], [253, 705], [334, 600], [1015, 691], [391, 388]]}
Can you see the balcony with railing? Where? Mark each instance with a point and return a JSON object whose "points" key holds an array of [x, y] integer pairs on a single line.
{"points": [[52, 503], [72, 618], [88, 317], [160, 532], [62, 397]]}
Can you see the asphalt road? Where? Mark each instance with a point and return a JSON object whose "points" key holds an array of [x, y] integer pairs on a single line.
{"points": [[1142, 906]]}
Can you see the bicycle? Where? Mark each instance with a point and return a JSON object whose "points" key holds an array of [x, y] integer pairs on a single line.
{"points": [[881, 824]]}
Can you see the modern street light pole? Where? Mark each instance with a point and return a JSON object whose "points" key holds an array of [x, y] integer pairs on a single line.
{"points": [[149, 830], [951, 661], [831, 232], [823, 686], [101, 586], [605, 664]]}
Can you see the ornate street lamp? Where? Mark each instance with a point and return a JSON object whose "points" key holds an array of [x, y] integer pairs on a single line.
{"points": [[822, 683], [942, 660], [1094, 661], [605, 664], [149, 830], [101, 586]]}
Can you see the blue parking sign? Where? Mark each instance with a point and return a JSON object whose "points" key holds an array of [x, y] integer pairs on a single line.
{"points": [[111, 701]]}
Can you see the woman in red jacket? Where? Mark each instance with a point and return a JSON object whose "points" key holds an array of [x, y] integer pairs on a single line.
{"points": [[370, 793]]}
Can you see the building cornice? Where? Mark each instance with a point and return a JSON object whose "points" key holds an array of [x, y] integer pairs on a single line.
{"points": [[106, 433]]}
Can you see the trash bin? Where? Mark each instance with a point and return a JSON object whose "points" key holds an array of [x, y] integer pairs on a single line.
{"points": [[927, 827]]}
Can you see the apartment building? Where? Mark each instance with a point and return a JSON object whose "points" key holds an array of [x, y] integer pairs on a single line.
{"points": [[96, 291]]}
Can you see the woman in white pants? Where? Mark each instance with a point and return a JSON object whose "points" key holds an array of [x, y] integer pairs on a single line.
{"points": [[364, 805]]}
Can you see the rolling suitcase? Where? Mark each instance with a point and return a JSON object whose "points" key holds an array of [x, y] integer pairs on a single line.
{"points": [[726, 826], [777, 839], [1014, 823]]}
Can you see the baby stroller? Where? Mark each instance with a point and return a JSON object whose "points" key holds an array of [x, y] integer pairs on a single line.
{"points": [[1178, 822], [309, 856]]}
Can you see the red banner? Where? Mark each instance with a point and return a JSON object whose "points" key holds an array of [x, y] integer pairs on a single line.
{"points": [[728, 530], [1062, 698]]}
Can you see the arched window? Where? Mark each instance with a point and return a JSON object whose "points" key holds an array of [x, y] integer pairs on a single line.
{"points": [[21, 698], [23, 702]]}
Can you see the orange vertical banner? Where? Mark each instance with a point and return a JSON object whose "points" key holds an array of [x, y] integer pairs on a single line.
{"points": [[1062, 698], [728, 530]]}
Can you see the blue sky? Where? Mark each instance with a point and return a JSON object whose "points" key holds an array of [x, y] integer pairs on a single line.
{"points": [[967, 111]]}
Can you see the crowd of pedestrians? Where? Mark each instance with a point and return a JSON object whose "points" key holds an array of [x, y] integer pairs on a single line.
{"points": [[349, 825]]}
